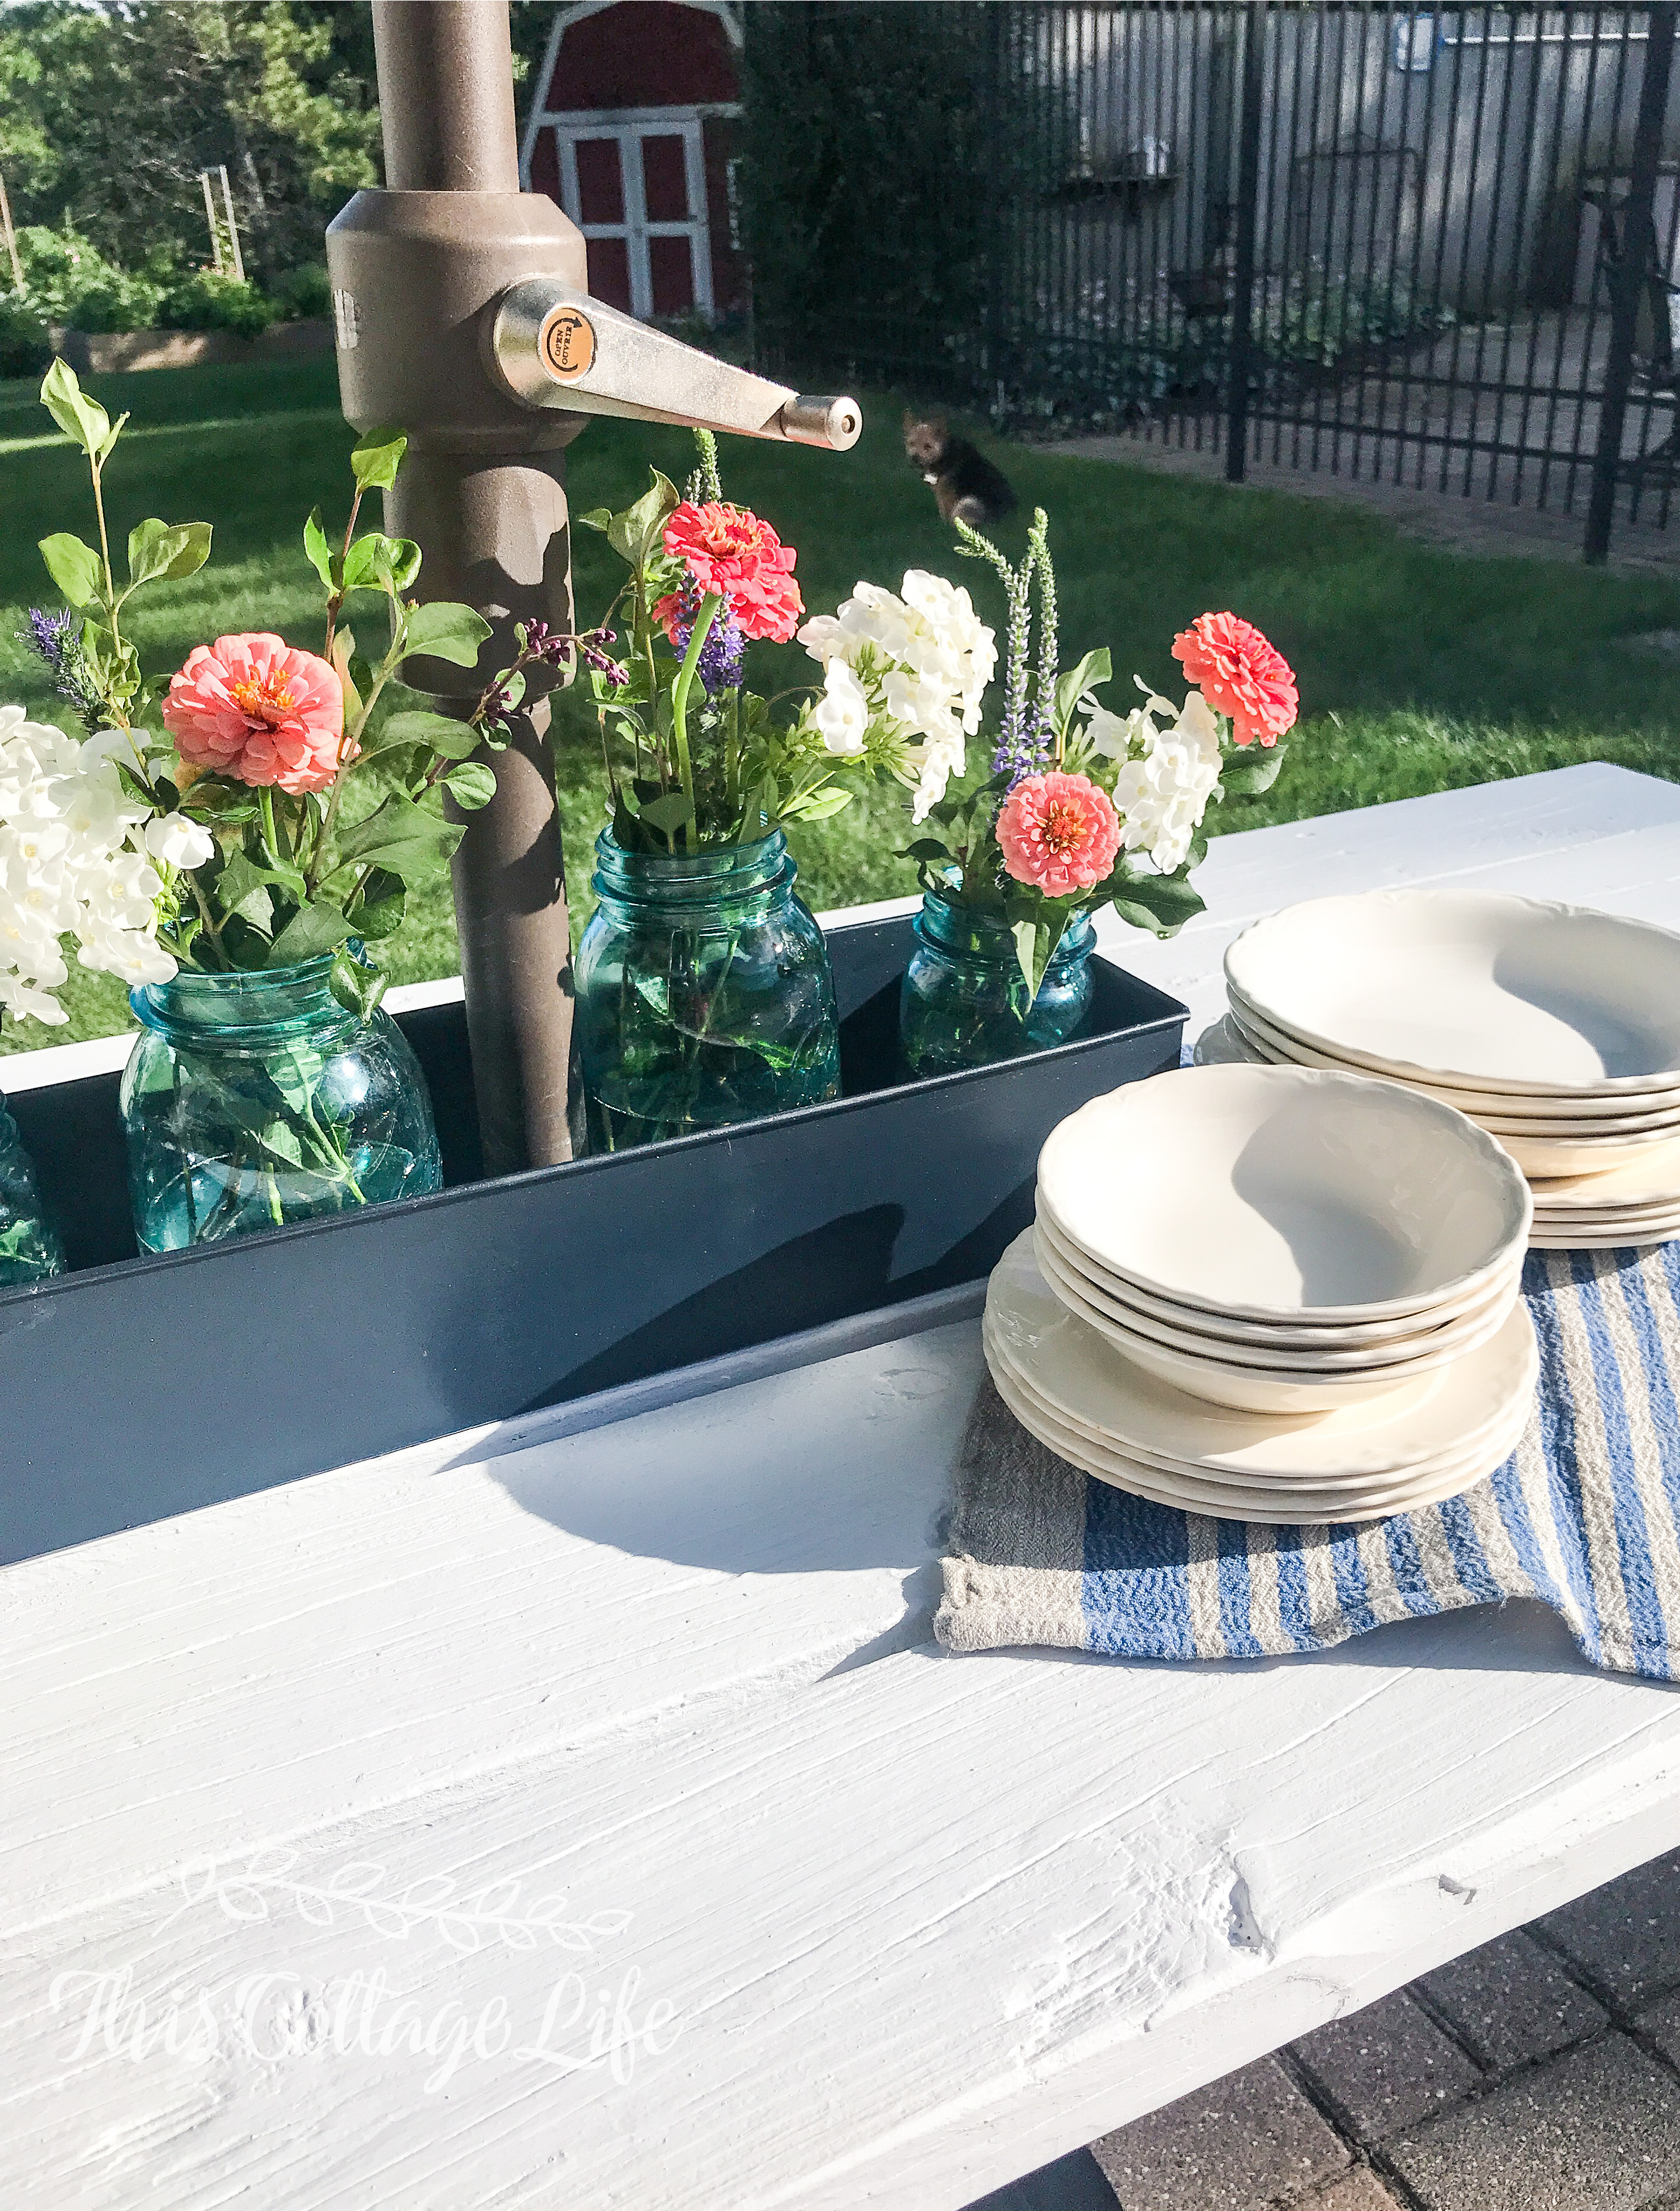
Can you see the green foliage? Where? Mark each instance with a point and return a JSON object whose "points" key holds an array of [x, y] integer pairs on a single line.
{"points": [[70, 281], [25, 349], [205, 301], [859, 119], [303, 294], [108, 113]]}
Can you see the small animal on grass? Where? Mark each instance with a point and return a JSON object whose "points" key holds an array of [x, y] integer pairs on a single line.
{"points": [[965, 484]]}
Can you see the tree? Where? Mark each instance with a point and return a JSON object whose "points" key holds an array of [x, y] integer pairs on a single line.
{"points": [[108, 113]]}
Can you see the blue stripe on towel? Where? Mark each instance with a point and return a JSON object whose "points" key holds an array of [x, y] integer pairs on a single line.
{"points": [[1594, 1532], [1407, 1562], [1294, 1603], [1474, 1569], [1134, 1589]]}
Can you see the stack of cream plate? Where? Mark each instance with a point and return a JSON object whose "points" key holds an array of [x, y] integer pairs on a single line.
{"points": [[1554, 1028], [1267, 1294]]}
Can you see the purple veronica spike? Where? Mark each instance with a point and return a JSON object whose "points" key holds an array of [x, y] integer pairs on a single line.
{"points": [[723, 655], [56, 637]]}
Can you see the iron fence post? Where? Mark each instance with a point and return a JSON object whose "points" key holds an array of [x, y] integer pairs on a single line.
{"points": [[1243, 274], [1629, 273]]}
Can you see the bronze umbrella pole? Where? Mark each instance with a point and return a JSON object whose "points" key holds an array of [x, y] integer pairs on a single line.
{"points": [[482, 492], [465, 319]]}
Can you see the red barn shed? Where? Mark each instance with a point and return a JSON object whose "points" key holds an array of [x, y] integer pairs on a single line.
{"points": [[631, 130]]}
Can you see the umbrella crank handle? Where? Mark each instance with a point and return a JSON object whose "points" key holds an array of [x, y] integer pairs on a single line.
{"points": [[556, 349]]}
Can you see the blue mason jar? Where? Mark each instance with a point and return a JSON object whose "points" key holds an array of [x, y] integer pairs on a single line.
{"points": [[964, 1000], [252, 1101], [30, 1250], [704, 993]]}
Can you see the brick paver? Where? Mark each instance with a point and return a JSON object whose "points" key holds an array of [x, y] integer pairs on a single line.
{"points": [[1626, 1936], [1500, 2082], [1385, 2068], [1237, 2145], [1597, 2129], [1510, 2000], [1357, 2191]]}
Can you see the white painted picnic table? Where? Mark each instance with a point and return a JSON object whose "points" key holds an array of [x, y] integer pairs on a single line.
{"points": [[852, 1922]]}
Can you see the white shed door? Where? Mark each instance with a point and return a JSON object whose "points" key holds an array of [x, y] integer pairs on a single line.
{"points": [[638, 192]]}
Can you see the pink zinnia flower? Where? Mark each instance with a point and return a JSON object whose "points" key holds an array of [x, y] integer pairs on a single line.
{"points": [[1242, 673], [1059, 833], [730, 551], [255, 708]]}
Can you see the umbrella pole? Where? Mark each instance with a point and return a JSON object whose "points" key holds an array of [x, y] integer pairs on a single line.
{"points": [[486, 504]]}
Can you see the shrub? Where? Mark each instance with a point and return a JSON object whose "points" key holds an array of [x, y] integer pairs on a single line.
{"points": [[205, 301], [303, 295], [69, 282], [107, 298], [24, 348]]}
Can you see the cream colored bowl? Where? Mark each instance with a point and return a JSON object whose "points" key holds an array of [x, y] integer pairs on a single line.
{"points": [[1500, 993], [1222, 1381], [1409, 1330], [1293, 1362], [1281, 1194]]}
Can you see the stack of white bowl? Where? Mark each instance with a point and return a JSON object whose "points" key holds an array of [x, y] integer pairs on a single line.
{"points": [[1554, 1028], [1270, 1294]]}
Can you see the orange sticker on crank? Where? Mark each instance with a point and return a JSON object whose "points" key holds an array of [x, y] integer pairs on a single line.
{"points": [[567, 345]]}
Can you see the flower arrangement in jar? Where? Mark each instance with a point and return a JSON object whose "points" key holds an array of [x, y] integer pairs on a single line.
{"points": [[704, 993], [1083, 807], [261, 841]]}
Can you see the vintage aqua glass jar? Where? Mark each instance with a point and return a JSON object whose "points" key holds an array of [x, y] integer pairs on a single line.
{"points": [[964, 1000], [30, 1250], [704, 993], [254, 1101]]}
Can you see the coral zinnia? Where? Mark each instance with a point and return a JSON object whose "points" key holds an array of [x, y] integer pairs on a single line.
{"points": [[1241, 674], [729, 551], [256, 709], [1059, 832]]}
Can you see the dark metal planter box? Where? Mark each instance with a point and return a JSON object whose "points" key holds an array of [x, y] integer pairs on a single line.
{"points": [[135, 1388]]}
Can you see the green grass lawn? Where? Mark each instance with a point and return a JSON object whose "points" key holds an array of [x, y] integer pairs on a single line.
{"points": [[1419, 668]]}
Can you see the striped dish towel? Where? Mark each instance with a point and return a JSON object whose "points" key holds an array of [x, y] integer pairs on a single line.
{"points": [[1584, 1515]]}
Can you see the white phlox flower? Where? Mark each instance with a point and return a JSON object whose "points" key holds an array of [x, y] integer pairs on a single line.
{"points": [[1167, 776], [178, 841], [68, 867], [841, 715], [922, 661]]}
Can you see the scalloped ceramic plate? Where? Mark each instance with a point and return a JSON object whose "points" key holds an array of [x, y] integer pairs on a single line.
{"points": [[1492, 991], [1522, 1115], [1541, 1158], [1454, 1408], [1276, 1507]]}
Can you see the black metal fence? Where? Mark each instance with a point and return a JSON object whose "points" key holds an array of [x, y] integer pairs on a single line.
{"points": [[1440, 247]]}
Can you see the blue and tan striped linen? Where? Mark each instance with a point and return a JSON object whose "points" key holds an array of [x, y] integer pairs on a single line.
{"points": [[1584, 1515]]}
